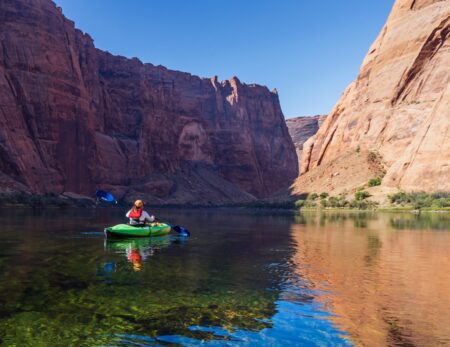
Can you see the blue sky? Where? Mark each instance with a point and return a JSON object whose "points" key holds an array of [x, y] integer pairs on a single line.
{"points": [[309, 50]]}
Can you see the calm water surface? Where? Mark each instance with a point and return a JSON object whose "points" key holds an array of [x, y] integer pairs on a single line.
{"points": [[242, 279]]}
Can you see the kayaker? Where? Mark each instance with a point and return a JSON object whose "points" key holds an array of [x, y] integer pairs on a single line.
{"points": [[138, 216]]}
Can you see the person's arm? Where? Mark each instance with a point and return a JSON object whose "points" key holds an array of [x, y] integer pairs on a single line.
{"points": [[147, 217], [128, 214]]}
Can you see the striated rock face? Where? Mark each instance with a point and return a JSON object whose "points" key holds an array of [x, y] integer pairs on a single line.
{"points": [[301, 129], [75, 118], [398, 107]]}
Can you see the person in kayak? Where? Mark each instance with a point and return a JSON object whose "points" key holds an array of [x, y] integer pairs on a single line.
{"points": [[137, 215]]}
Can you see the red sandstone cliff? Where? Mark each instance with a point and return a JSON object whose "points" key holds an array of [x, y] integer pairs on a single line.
{"points": [[75, 118], [397, 110]]}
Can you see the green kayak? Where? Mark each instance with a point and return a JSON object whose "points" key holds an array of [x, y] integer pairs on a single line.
{"points": [[126, 230]]}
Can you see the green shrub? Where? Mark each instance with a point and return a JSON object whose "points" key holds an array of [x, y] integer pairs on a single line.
{"points": [[324, 203], [424, 200], [362, 204], [333, 201], [361, 195], [323, 195], [305, 203], [343, 202], [338, 201], [313, 196], [374, 182], [398, 198], [300, 203], [419, 200], [440, 195], [310, 204], [442, 202]]}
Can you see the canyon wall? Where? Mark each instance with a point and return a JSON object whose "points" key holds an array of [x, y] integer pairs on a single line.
{"points": [[75, 118], [395, 117], [301, 129]]}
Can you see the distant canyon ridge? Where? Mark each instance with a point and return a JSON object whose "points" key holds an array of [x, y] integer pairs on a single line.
{"points": [[301, 129], [76, 119]]}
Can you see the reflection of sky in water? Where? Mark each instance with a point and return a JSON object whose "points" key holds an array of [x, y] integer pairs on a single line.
{"points": [[299, 319], [294, 324]]}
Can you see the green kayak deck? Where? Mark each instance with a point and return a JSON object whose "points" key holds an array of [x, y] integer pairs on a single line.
{"points": [[126, 230]]}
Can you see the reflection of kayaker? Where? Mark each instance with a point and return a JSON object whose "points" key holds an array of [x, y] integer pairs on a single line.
{"points": [[135, 258], [137, 250], [138, 216], [145, 246]]}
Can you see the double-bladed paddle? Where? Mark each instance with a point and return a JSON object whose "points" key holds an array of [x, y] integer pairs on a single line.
{"points": [[105, 196], [180, 230]]}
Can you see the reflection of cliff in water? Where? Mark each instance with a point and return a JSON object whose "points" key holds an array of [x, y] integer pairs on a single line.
{"points": [[386, 287]]}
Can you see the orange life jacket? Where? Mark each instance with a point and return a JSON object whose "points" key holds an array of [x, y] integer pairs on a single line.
{"points": [[135, 214]]}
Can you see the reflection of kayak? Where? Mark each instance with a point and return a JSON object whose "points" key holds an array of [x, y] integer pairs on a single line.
{"points": [[126, 230], [121, 245], [137, 250]]}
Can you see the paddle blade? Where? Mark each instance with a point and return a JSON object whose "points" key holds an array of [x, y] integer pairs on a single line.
{"points": [[182, 231], [105, 196]]}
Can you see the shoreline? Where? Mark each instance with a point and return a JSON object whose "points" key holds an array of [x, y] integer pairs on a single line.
{"points": [[261, 207], [316, 203], [380, 209]]}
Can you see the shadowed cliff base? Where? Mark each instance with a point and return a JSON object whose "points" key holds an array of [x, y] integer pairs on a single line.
{"points": [[194, 184]]}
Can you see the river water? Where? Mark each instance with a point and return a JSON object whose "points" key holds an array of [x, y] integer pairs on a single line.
{"points": [[244, 278]]}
